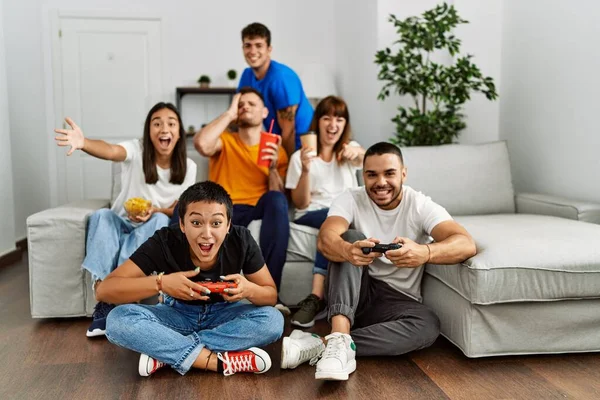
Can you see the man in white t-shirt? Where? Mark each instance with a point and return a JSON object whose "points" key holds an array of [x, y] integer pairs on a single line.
{"points": [[376, 311]]}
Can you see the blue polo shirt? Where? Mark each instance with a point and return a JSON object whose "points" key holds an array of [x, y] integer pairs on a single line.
{"points": [[281, 88]]}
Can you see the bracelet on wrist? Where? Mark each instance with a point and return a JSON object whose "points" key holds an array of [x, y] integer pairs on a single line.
{"points": [[159, 282]]}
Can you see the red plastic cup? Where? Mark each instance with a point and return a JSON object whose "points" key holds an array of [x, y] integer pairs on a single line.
{"points": [[265, 138]]}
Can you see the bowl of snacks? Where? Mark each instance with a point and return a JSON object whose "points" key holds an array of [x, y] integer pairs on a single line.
{"points": [[137, 206]]}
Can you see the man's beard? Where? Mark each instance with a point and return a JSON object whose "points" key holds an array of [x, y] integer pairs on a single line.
{"points": [[394, 198], [246, 123]]}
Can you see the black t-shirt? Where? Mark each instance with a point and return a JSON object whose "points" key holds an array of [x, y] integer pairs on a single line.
{"points": [[168, 251]]}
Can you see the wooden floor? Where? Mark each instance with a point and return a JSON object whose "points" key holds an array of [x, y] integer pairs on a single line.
{"points": [[52, 359]]}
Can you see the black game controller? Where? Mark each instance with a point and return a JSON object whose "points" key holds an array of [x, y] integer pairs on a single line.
{"points": [[381, 248]]}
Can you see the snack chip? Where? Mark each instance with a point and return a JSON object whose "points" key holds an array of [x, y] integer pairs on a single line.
{"points": [[137, 206]]}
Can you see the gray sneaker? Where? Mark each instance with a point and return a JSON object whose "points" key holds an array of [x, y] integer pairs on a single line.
{"points": [[311, 308]]}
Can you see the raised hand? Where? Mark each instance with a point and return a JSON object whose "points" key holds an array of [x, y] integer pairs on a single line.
{"points": [[349, 153], [70, 137], [307, 154], [355, 256], [233, 108], [179, 286]]}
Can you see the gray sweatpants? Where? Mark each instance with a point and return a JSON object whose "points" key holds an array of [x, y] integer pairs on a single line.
{"points": [[384, 321]]}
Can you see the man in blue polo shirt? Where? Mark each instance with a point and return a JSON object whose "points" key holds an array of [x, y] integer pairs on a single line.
{"points": [[279, 85]]}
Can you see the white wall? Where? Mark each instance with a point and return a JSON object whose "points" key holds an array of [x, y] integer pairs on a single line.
{"points": [[480, 37], [28, 133], [549, 104], [355, 46], [7, 233], [199, 37]]}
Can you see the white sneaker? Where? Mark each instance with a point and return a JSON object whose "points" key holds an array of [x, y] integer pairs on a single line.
{"points": [[338, 359], [300, 347], [148, 365]]}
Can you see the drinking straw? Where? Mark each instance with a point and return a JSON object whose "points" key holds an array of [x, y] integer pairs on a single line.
{"points": [[271, 127]]}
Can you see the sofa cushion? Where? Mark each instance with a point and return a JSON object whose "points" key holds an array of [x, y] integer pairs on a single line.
{"points": [[465, 179], [523, 257], [303, 241], [58, 286]]}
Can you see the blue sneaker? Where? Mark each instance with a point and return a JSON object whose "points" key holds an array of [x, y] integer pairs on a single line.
{"points": [[98, 326]]}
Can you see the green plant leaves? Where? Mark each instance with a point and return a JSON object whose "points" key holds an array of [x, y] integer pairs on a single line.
{"points": [[438, 91]]}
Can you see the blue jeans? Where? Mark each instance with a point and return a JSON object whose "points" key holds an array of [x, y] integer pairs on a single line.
{"points": [[174, 332], [272, 208], [111, 240], [315, 219]]}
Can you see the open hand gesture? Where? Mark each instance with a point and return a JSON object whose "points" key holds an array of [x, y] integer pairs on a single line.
{"points": [[70, 137]]}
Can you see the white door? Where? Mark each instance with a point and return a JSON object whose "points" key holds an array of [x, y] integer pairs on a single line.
{"points": [[110, 76]]}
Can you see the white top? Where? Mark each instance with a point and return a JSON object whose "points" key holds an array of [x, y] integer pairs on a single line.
{"points": [[327, 180], [414, 218], [133, 182]]}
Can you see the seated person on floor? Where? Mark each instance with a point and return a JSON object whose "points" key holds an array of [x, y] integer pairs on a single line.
{"points": [[174, 262], [374, 299], [154, 172], [317, 174], [257, 190]]}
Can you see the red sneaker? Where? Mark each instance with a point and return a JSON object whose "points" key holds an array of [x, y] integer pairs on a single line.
{"points": [[149, 365], [252, 360]]}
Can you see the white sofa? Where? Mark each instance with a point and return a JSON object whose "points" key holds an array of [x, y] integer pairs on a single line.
{"points": [[534, 286]]}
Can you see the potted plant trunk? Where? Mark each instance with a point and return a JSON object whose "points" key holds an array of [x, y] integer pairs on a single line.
{"points": [[438, 90]]}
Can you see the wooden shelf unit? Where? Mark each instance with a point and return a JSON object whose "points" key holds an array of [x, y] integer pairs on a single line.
{"points": [[197, 90]]}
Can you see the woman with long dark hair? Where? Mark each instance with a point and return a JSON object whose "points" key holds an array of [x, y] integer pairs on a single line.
{"points": [[156, 169]]}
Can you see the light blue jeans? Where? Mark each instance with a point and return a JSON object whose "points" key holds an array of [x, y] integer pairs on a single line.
{"points": [[111, 240], [174, 332]]}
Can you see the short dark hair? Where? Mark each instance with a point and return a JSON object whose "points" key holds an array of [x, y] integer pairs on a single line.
{"points": [[179, 156], [383, 148], [256, 29], [249, 89], [207, 191]]}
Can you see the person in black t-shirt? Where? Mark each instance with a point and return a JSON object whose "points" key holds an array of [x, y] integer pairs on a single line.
{"points": [[192, 327]]}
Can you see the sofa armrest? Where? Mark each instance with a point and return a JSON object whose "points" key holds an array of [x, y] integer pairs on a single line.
{"points": [[56, 248], [533, 203]]}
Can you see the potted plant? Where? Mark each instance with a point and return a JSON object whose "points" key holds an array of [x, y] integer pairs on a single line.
{"points": [[204, 81], [231, 75], [438, 90], [191, 130]]}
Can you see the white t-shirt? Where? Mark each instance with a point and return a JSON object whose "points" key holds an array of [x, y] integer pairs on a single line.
{"points": [[327, 180], [414, 218], [133, 182]]}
